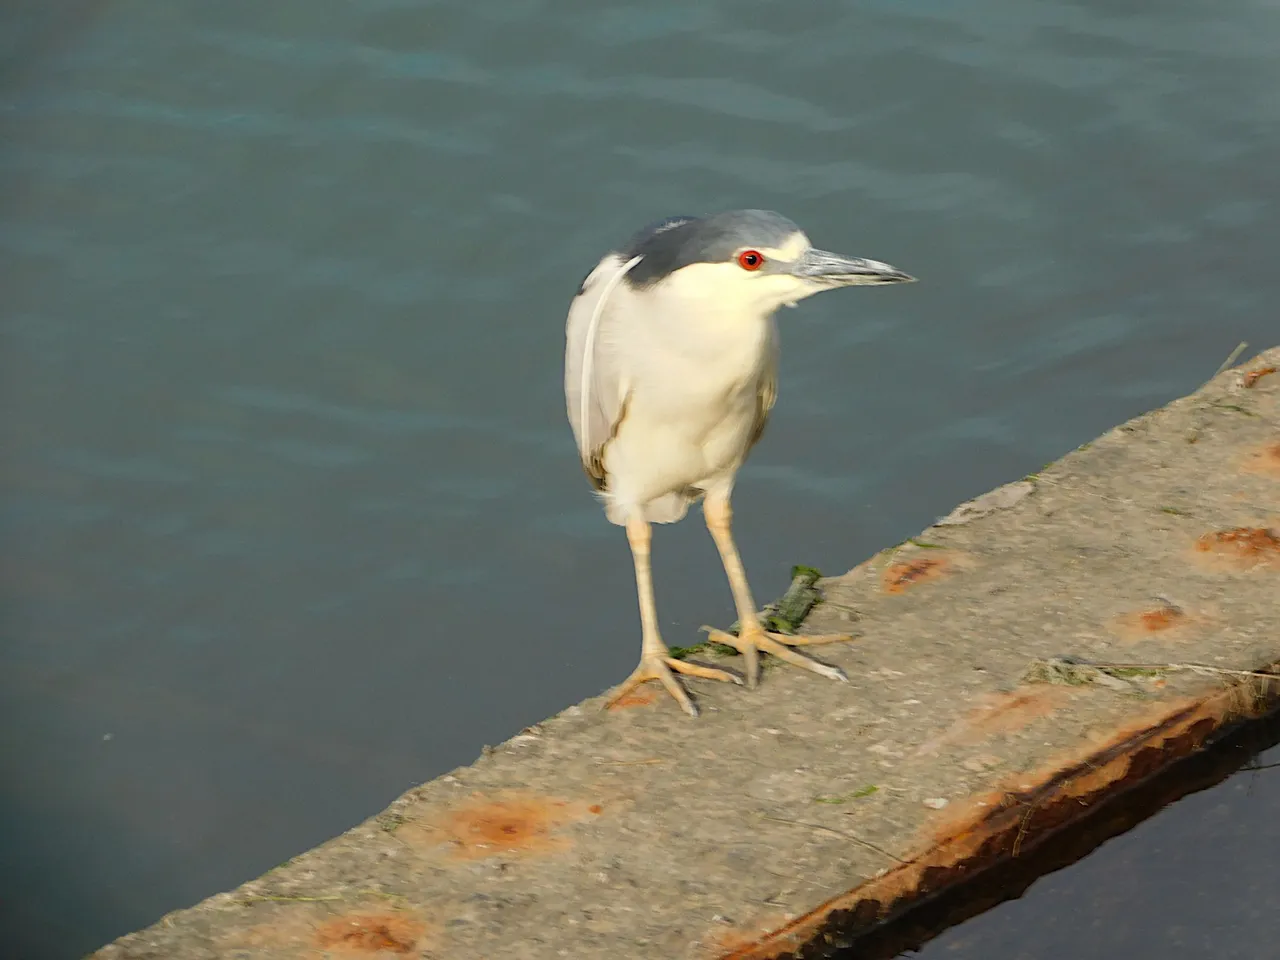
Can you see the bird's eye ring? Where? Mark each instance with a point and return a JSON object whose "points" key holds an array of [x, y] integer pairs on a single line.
{"points": [[751, 260]]}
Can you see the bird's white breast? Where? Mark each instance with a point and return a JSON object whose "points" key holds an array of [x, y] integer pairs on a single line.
{"points": [[691, 370]]}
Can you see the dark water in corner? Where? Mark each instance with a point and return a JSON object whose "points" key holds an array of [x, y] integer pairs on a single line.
{"points": [[291, 519]]}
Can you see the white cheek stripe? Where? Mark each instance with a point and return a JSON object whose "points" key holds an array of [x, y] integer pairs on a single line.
{"points": [[790, 250]]}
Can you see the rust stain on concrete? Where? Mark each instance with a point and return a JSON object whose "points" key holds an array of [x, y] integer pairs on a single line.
{"points": [[1002, 713], [1159, 618], [1264, 460], [900, 576], [361, 933], [1240, 547], [1250, 379], [1166, 621], [1025, 809], [643, 696], [514, 824], [303, 929]]}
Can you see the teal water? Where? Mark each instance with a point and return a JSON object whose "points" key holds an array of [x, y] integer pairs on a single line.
{"points": [[291, 516]]}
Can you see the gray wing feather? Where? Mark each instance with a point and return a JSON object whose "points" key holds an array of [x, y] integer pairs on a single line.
{"points": [[595, 422]]}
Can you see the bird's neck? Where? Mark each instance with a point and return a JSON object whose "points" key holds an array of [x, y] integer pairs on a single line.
{"points": [[715, 326]]}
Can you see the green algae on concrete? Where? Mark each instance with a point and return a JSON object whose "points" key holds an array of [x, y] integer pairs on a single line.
{"points": [[1026, 657]]}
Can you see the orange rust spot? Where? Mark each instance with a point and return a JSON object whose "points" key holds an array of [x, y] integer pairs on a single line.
{"points": [[907, 573], [1241, 546], [511, 824], [1001, 713], [639, 697], [371, 933], [295, 929], [1253, 376], [1012, 711], [1165, 619], [501, 826], [595, 808], [1161, 619], [1265, 460]]}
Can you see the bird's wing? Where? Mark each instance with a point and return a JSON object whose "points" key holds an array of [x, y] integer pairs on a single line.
{"points": [[593, 390], [767, 391]]}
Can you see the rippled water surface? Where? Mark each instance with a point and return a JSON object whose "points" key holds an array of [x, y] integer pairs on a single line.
{"points": [[291, 517]]}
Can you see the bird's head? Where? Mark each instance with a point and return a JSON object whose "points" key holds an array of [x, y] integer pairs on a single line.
{"points": [[756, 260]]}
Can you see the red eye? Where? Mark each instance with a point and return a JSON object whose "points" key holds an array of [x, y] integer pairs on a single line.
{"points": [[751, 259]]}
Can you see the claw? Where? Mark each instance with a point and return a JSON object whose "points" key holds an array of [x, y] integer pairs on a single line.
{"points": [[777, 644], [660, 667]]}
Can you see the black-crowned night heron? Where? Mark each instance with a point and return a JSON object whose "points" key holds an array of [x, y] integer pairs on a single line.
{"points": [[670, 374]]}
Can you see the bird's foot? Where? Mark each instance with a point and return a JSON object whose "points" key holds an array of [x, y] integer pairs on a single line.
{"points": [[659, 666], [753, 640]]}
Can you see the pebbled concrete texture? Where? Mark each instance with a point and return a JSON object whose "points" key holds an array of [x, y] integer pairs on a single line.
{"points": [[1037, 651]]}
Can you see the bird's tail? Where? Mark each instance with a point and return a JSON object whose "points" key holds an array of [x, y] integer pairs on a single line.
{"points": [[668, 508]]}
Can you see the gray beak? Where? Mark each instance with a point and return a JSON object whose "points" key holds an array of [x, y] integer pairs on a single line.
{"points": [[832, 269]]}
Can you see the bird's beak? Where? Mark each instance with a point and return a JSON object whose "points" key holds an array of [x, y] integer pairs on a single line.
{"points": [[832, 269]]}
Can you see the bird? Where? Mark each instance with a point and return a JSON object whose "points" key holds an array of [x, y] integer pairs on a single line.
{"points": [[670, 374]]}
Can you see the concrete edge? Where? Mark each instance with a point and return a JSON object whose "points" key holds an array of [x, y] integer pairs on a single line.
{"points": [[992, 828]]}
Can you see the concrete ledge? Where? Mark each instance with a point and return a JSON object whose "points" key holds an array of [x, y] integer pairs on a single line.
{"points": [[1032, 654]]}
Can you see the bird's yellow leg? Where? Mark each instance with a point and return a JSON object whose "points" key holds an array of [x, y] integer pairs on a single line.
{"points": [[656, 662], [752, 636]]}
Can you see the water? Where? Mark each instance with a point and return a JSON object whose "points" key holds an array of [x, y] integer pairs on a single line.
{"points": [[292, 519]]}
